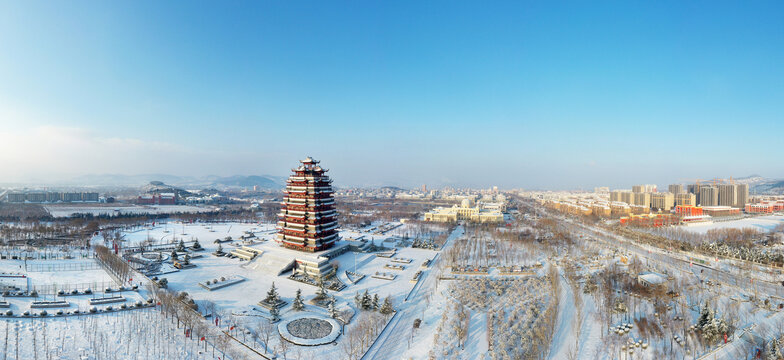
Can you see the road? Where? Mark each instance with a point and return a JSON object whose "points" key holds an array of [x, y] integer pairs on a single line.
{"points": [[673, 260], [738, 348]]}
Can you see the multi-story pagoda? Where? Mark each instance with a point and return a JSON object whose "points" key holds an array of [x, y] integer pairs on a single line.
{"points": [[307, 219]]}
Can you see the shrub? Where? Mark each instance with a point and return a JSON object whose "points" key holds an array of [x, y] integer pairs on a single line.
{"points": [[93, 309], [44, 313]]}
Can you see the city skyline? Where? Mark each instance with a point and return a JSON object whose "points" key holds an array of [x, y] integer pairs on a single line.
{"points": [[516, 95]]}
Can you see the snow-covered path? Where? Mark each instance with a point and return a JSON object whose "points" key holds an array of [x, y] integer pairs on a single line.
{"points": [[476, 344], [394, 340], [566, 329]]}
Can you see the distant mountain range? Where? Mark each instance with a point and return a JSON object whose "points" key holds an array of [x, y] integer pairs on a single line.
{"points": [[760, 185], [751, 180], [241, 181]]}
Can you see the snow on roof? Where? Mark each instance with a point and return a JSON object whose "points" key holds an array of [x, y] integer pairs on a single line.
{"points": [[652, 278]]}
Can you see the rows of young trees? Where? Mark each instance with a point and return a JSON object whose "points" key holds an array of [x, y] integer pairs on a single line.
{"points": [[520, 317], [138, 334], [113, 263], [173, 306]]}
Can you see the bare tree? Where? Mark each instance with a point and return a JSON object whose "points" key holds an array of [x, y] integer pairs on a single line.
{"points": [[266, 330]]}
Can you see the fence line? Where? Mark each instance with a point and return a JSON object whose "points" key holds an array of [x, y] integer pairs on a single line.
{"points": [[97, 288], [52, 267]]}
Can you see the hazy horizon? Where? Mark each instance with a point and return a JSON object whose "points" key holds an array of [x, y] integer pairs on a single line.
{"points": [[517, 95]]}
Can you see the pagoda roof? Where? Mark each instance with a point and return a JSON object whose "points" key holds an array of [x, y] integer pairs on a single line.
{"points": [[309, 160]]}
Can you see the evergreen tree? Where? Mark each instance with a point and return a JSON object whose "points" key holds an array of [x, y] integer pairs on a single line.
{"points": [[174, 255], [375, 302], [298, 304], [386, 307], [275, 313], [187, 259], [358, 300], [333, 312], [181, 246], [220, 249], [705, 316], [321, 293], [196, 244], [272, 296], [367, 303]]}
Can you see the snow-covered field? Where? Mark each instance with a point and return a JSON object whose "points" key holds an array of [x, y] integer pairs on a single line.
{"points": [[133, 334], [763, 223]]}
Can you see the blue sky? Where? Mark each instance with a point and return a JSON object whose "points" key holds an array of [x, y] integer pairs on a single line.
{"points": [[515, 94]]}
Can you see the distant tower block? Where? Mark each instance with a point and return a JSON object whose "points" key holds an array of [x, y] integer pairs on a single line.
{"points": [[307, 218]]}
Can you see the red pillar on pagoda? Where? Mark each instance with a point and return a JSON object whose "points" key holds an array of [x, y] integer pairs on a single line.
{"points": [[308, 220]]}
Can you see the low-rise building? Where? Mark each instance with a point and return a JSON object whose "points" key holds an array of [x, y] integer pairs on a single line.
{"points": [[51, 197], [720, 211], [466, 212], [620, 208], [765, 207], [688, 210], [652, 279], [157, 199]]}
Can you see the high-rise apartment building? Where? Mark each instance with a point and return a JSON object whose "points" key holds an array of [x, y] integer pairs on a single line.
{"points": [[649, 188], [743, 196], [662, 201], [676, 189], [709, 196], [728, 194], [627, 197], [686, 199], [694, 189], [642, 199]]}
